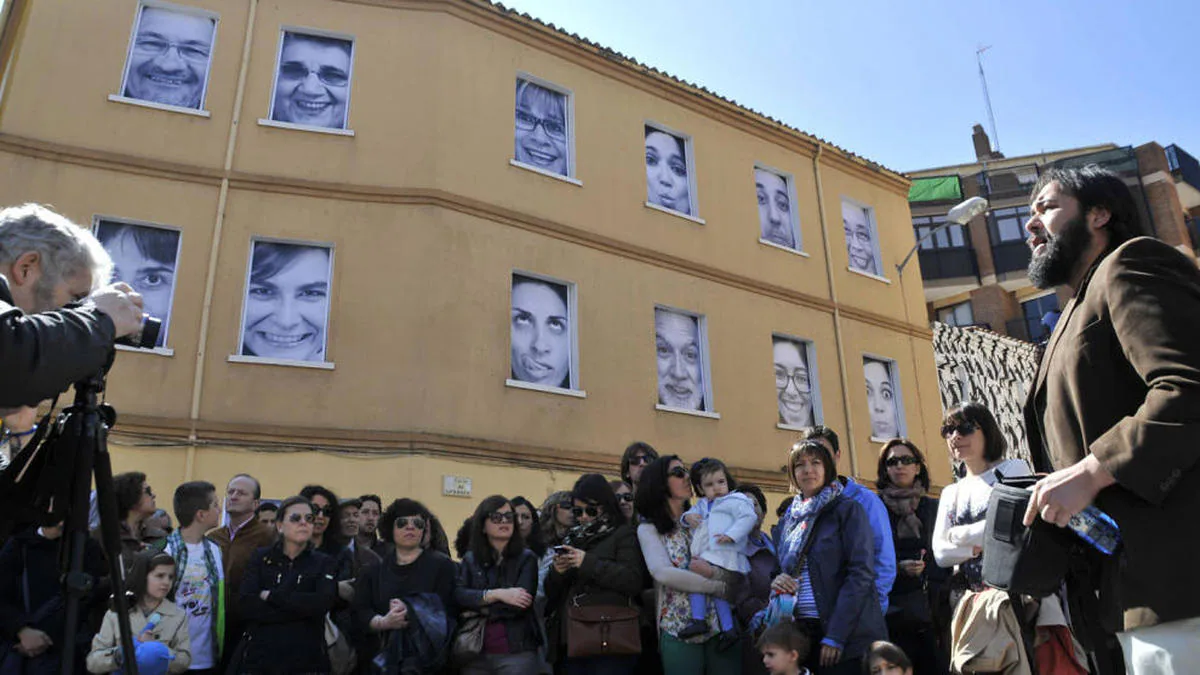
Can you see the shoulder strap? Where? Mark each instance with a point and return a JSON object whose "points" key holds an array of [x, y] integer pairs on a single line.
{"points": [[25, 579]]}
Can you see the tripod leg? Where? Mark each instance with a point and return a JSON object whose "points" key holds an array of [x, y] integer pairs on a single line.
{"points": [[75, 534], [111, 535]]}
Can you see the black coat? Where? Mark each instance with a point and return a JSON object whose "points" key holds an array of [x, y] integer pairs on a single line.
{"points": [[475, 578], [286, 632], [374, 590], [926, 588], [29, 553]]}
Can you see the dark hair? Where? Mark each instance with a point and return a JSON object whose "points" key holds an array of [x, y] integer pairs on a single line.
{"points": [[257, 485], [372, 498], [652, 495], [271, 257], [548, 517], [786, 634], [678, 141], [1096, 187], [820, 431], [978, 414], [462, 538], [707, 466], [481, 548], [438, 541], [289, 503], [350, 501], [156, 243], [784, 505], [289, 37], [399, 509], [882, 480], [811, 448], [756, 494], [267, 506], [594, 489], [332, 540], [881, 649], [127, 487], [632, 450], [534, 541], [192, 497], [144, 563]]}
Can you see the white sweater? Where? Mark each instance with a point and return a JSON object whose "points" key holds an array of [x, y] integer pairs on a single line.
{"points": [[966, 502]]}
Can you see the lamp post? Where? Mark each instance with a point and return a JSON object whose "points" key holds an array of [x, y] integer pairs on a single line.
{"points": [[959, 215]]}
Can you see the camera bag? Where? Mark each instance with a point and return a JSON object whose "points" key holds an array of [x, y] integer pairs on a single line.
{"points": [[1017, 559]]}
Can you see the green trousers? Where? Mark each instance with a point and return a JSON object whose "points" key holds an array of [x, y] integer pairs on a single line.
{"points": [[685, 658]]}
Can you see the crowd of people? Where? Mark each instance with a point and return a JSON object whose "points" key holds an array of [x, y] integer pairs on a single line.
{"points": [[664, 570]]}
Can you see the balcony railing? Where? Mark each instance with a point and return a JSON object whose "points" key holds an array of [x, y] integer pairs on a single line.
{"points": [[948, 263]]}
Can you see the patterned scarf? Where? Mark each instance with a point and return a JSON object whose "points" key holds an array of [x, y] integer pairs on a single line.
{"points": [[583, 536], [903, 502], [797, 525], [177, 548]]}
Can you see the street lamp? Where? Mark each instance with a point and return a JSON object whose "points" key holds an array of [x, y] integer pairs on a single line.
{"points": [[959, 215]]}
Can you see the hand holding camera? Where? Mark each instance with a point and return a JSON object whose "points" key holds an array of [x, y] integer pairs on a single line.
{"points": [[123, 305]]}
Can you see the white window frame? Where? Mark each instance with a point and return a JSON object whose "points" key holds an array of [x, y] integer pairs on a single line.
{"points": [[241, 329], [893, 368], [814, 379], [874, 225], [572, 318], [316, 32], [569, 111], [120, 97], [165, 350], [689, 150], [706, 361], [789, 181]]}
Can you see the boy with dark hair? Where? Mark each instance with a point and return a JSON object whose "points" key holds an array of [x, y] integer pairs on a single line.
{"points": [[784, 648], [199, 588]]}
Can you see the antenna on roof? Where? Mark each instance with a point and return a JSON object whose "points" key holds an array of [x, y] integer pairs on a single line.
{"points": [[986, 98]]}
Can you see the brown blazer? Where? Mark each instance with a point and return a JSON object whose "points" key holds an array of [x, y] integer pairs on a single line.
{"points": [[1120, 379], [236, 553]]}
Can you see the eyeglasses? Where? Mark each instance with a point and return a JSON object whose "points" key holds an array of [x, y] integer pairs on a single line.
{"points": [[678, 472], [497, 517], [301, 517], [963, 429], [625, 497], [906, 460], [417, 522], [334, 77], [157, 47], [783, 378], [554, 128], [639, 460], [326, 511], [591, 510]]}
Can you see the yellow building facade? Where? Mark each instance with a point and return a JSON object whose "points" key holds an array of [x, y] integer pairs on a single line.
{"points": [[415, 198]]}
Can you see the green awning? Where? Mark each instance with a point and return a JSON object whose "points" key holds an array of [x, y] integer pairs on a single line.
{"points": [[936, 189]]}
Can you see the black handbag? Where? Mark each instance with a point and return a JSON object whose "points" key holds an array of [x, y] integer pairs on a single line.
{"points": [[1017, 559]]}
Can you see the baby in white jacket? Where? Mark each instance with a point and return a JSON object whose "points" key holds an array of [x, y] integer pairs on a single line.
{"points": [[720, 523]]}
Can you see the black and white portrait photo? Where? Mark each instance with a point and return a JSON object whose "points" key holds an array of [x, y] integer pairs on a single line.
{"points": [[775, 218], [667, 182], [679, 347], [860, 238], [541, 131], [542, 340], [286, 308], [882, 398], [312, 83], [169, 56], [793, 386], [144, 257]]}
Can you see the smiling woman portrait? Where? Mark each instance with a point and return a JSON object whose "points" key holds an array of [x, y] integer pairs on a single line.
{"points": [[541, 128], [312, 85], [287, 301]]}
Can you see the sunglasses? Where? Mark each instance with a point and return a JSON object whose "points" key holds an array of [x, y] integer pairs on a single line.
{"points": [[417, 522], [566, 506], [498, 517], [301, 517], [625, 497], [906, 460], [638, 460], [963, 429], [326, 511], [592, 511], [678, 472]]}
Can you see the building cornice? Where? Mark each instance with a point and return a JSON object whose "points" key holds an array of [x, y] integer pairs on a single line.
{"points": [[971, 168]]}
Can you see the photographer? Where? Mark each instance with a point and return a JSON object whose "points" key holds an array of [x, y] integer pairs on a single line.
{"points": [[47, 262]]}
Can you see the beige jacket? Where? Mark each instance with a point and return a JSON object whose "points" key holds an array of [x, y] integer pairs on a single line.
{"points": [[985, 636], [172, 631]]}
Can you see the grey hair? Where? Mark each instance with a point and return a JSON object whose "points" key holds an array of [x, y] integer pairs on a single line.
{"points": [[66, 248]]}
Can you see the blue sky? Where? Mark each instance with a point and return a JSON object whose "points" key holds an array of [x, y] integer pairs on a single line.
{"points": [[897, 82]]}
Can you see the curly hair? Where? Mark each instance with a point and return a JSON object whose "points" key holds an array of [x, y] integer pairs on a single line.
{"points": [[128, 489], [332, 540], [401, 508]]}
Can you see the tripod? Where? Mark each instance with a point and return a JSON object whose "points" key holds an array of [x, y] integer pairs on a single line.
{"points": [[83, 446]]}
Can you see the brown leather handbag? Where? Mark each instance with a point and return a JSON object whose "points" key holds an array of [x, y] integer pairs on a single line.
{"points": [[603, 630]]}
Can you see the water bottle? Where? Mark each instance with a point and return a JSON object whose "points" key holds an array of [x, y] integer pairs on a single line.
{"points": [[1096, 528]]}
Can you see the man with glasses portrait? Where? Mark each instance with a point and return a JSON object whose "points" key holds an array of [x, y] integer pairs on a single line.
{"points": [[312, 87], [168, 61]]}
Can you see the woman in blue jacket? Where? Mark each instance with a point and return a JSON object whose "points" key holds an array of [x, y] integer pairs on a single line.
{"points": [[826, 552]]}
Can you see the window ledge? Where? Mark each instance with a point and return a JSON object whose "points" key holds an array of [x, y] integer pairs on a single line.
{"points": [[159, 106], [517, 384], [156, 351], [868, 275], [684, 411], [673, 212], [543, 172], [876, 439], [793, 251], [305, 127], [789, 427], [317, 365]]}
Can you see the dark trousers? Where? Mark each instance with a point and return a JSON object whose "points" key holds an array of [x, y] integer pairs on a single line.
{"points": [[919, 641], [602, 665]]}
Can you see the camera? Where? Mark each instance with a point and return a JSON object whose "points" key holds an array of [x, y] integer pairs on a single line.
{"points": [[147, 335]]}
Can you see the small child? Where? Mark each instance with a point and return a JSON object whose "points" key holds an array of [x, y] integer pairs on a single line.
{"points": [[153, 619], [885, 658], [721, 522], [784, 647]]}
